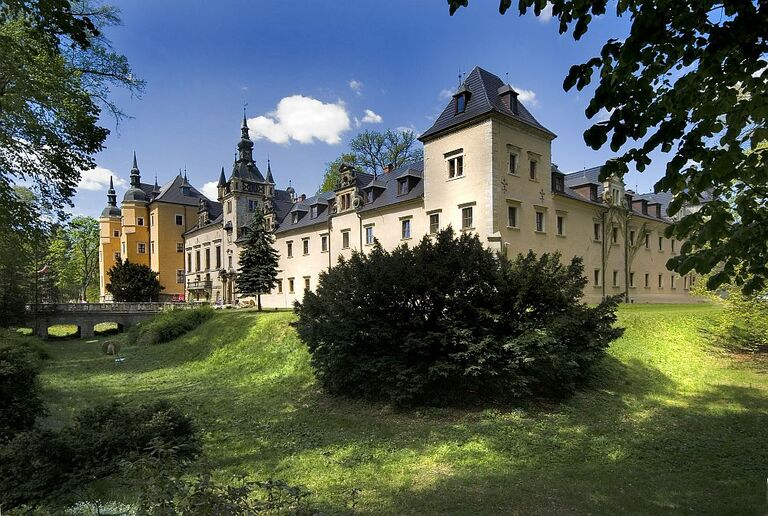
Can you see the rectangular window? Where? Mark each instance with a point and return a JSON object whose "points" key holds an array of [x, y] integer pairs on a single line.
{"points": [[208, 259], [434, 223], [305, 246], [647, 241], [560, 225], [405, 228], [290, 286], [402, 187], [289, 249], [671, 281], [512, 216], [369, 235], [596, 277], [180, 276], [279, 286], [116, 233], [324, 243], [189, 262], [672, 243], [685, 282], [141, 247], [152, 247], [346, 201], [179, 247], [631, 279], [345, 239], [456, 167], [197, 260], [123, 247], [661, 243], [539, 221], [512, 163], [151, 220], [229, 261], [139, 221], [179, 219], [661, 281], [466, 218], [647, 280], [251, 205], [532, 170], [615, 278], [631, 238], [313, 212], [597, 232], [117, 257], [614, 235], [229, 206], [218, 257], [306, 282], [294, 217]]}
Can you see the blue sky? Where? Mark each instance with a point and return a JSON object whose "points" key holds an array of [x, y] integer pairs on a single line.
{"points": [[315, 73]]}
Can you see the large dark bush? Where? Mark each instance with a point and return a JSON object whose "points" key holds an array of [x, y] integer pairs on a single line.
{"points": [[49, 467], [20, 401], [448, 321], [169, 325]]}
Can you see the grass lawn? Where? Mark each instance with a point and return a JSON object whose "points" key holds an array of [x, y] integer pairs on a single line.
{"points": [[667, 426]]}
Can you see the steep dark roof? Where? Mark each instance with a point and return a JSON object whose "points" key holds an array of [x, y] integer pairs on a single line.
{"points": [[484, 99], [582, 177], [172, 192], [387, 196]]}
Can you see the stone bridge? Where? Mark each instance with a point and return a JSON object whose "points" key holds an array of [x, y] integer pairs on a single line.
{"points": [[87, 315]]}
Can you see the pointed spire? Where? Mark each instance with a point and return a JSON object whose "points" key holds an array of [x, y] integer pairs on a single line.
{"points": [[156, 188], [244, 127], [111, 197], [222, 178], [270, 179], [135, 173]]}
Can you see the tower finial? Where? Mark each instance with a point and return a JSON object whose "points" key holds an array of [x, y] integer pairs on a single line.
{"points": [[134, 160], [111, 185]]}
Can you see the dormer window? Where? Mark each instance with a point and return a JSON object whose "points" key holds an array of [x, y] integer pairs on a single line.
{"points": [[462, 97], [558, 183], [294, 218], [461, 103], [402, 186], [313, 212], [593, 192], [369, 196]]}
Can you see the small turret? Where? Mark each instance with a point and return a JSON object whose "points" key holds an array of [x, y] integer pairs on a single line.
{"points": [[155, 189], [222, 178], [111, 210], [135, 193], [270, 179]]}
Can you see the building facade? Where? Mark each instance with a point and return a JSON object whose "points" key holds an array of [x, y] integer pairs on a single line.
{"points": [[487, 169]]}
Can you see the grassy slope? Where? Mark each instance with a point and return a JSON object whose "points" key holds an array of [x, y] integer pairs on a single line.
{"points": [[669, 426]]}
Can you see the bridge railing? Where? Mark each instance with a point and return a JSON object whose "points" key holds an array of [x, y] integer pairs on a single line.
{"points": [[121, 307]]}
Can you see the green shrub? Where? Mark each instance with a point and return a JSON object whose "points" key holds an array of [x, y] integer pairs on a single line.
{"points": [[169, 325], [20, 401], [448, 321], [47, 467], [742, 325]]}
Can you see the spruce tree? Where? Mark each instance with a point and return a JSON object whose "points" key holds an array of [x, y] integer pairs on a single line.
{"points": [[258, 261]]}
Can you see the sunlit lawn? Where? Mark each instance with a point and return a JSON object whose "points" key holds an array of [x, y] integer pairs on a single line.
{"points": [[667, 425]]}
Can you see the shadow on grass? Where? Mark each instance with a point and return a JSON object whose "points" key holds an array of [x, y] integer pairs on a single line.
{"points": [[630, 442]]}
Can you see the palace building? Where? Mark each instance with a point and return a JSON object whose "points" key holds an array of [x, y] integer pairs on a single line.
{"points": [[487, 169]]}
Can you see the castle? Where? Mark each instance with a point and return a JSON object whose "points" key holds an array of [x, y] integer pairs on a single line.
{"points": [[487, 169]]}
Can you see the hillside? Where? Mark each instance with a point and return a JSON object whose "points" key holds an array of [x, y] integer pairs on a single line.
{"points": [[668, 425]]}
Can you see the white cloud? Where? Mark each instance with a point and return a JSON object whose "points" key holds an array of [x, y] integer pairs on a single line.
{"points": [[97, 179], [546, 14], [407, 129], [445, 94], [302, 119], [356, 86], [211, 190], [371, 117], [526, 96]]}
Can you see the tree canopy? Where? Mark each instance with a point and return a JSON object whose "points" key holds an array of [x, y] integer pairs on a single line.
{"points": [[371, 151], [689, 80], [130, 281], [56, 75]]}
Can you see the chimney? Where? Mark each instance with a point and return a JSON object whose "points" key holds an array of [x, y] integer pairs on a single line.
{"points": [[303, 197], [388, 168]]}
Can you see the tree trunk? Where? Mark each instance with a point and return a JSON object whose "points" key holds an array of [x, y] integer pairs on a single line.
{"points": [[258, 302]]}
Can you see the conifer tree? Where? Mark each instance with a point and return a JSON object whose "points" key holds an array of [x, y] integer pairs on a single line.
{"points": [[258, 261], [133, 282]]}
